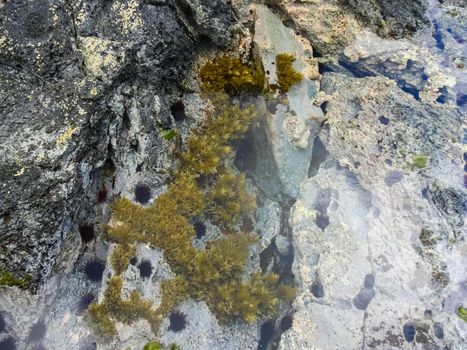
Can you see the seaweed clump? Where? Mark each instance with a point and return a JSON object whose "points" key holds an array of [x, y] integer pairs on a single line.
{"points": [[203, 184], [286, 73], [230, 74]]}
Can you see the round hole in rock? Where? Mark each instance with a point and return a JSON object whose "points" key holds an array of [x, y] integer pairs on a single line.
{"points": [[2, 323], [200, 229], [94, 270], [286, 322], [145, 269], [142, 194], [86, 232], [84, 302], [178, 111], [102, 196], [177, 321], [8, 344], [37, 332]]}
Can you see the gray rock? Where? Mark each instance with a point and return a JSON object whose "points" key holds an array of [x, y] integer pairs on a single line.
{"points": [[83, 82], [389, 17], [290, 129]]}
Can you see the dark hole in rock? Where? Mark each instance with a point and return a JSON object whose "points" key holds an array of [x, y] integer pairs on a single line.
{"points": [[177, 321], [37, 332], [84, 302], [286, 322], [393, 177], [388, 161], [245, 158], [145, 269], [461, 100], [86, 232], [428, 313], [363, 298], [200, 229], [425, 193], [133, 260], [267, 333], [94, 270], [142, 194], [178, 111], [383, 120], [139, 167], [369, 281], [102, 196], [317, 289], [2, 323], [442, 99], [324, 106], [322, 221], [438, 330], [409, 332], [8, 344], [319, 155]]}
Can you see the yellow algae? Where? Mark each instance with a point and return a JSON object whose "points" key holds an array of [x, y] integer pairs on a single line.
{"points": [[99, 56], [66, 136], [128, 15]]}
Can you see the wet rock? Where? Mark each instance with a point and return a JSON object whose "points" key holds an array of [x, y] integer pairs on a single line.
{"points": [[291, 128], [391, 18]]}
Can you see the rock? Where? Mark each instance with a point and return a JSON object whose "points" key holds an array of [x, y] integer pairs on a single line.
{"points": [[84, 85], [391, 18], [203, 331], [368, 256], [290, 127]]}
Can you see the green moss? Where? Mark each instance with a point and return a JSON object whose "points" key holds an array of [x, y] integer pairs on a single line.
{"points": [[286, 73], [169, 135], [230, 74], [7, 279], [419, 161], [462, 313], [154, 345]]}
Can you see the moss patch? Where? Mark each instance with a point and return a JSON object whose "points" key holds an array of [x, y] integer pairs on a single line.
{"points": [[7, 279], [286, 73], [231, 75]]}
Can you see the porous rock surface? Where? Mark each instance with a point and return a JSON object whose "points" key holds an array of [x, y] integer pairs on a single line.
{"points": [[367, 154]]}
